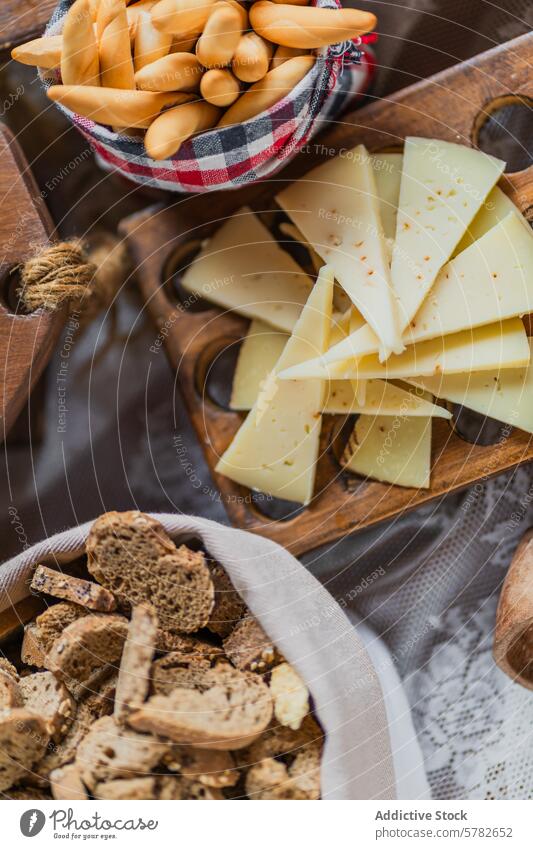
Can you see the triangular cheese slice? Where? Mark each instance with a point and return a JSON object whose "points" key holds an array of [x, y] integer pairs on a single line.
{"points": [[381, 398], [391, 449], [259, 353], [500, 345], [504, 394], [443, 186], [388, 174], [276, 448], [242, 268], [495, 209], [336, 207], [489, 281]]}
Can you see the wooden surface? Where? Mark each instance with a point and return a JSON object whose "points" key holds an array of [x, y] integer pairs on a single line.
{"points": [[451, 106], [21, 20], [26, 341]]}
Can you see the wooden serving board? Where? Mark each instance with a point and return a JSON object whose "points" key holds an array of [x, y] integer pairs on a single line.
{"points": [[453, 106], [26, 341]]}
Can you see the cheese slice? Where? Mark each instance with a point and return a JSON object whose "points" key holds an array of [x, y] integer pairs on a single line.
{"points": [[381, 398], [391, 449], [443, 187], [500, 345], [242, 268], [336, 207], [276, 448], [489, 281], [496, 207], [504, 394], [387, 169], [259, 353]]}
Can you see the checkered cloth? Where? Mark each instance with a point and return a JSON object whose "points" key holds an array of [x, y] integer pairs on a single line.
{"points": [[232, 156]]}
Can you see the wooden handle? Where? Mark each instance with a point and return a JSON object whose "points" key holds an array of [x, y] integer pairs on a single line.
{"points": [[308, 26], [513, 638], [268, 91]]}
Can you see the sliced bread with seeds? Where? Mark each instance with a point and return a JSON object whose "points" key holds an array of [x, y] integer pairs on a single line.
{"points": [[23, 741], [134, 673], [86, 646], [85, 593], [248, 647], [229, 714], [228, 607], [66, 783], [44, 695], [10, 694]]}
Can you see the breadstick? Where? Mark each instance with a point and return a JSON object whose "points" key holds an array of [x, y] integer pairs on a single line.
{"points": [[283, 53], [293, 2], [268, 91], [175, 72], [115, 107], [182, 17], [150, 43], [116, 63], [168, 132], [219, 87], [308, 26], [183, 45], [44, 52], [220, 37], [252, 58], [106, 10], [79, 54], [133, 13]]}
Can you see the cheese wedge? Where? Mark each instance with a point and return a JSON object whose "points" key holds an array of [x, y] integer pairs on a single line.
{"points": [[258, 355], [242, 268], [496, 207], [489, 281], [336, 207], [443, 187], [500, 345], [276, 448], [387, 169], [504, 394], [391, 449], [381, 398]]}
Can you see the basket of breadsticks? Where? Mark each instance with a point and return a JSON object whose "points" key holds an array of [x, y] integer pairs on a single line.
{"points": [[169, 657], [190, 95]]}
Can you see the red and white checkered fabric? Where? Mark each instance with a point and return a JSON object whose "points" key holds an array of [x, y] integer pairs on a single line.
{"points": [[244, 153]]}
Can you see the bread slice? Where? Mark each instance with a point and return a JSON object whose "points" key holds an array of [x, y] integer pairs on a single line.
{"points": [[31, 794], [23, 741], [134, 674], [85, 593], [91, 707], [248, 647], [66, 783], [127, 788], [10, 695], [179, 669], [53, 621], [179, 788], [187, 644], [44, 695], [290, 696], [229, 714], [229, 607], [131, 555], [278, 741], [8, 667], [269, 780], [86, 646], [212, 768], [32, 651], [110, 751]]}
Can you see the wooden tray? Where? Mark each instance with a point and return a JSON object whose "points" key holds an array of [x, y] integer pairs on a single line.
{"points": [[26, 341], [452, 105]]}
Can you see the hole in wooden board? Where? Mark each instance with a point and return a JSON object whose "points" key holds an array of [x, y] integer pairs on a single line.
{"points": [[507, 131], [477, 429], [9, 284], [176, 264], [276, 509], [218, 375]]}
